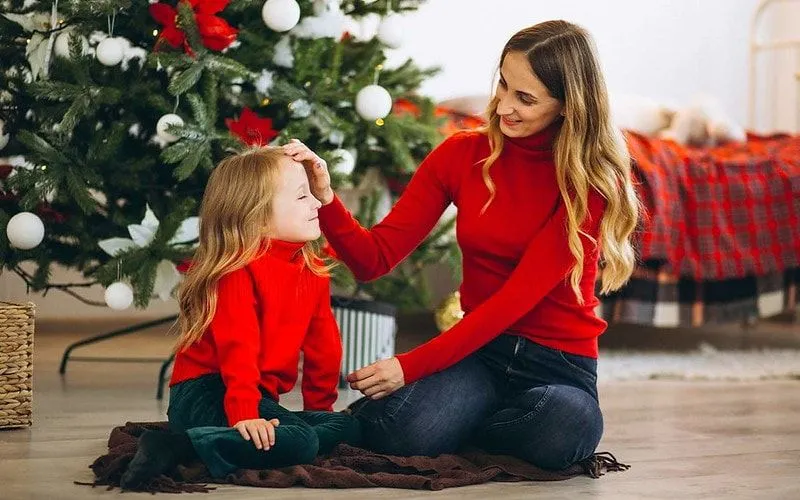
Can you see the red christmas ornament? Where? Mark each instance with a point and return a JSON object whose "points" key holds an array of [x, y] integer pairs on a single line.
{"points": [[184, 266], [251, 128], [47, 213], [215, 32]]}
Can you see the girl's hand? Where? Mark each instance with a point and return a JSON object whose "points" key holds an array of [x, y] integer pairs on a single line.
{"points": [[379, 379], [261, 431], [319, 179]]}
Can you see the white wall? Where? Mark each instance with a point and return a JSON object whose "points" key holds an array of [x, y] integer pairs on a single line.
{"points": [[669, 50], [778, 80]]}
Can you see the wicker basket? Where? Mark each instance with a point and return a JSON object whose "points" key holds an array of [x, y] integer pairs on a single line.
{"points": [[16, 364]]}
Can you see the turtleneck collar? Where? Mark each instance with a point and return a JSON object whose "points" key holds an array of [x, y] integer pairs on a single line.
{"points": [[285, 250], [540, 142]]}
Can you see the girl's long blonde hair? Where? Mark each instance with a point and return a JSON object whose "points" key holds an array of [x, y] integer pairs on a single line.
{"points": [[590, 152], [234, 230]]}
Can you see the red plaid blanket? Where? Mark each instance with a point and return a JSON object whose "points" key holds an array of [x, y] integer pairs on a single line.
{"points": [[719, 213]]}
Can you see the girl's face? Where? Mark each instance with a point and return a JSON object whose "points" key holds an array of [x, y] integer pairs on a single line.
{"points": [[524, 104], [294, 209]]}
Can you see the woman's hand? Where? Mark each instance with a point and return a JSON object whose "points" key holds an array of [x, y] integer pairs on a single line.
{"points": [[261, 431], [319, 179], [379, 379]]}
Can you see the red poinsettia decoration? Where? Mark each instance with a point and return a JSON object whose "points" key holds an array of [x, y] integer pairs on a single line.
{"points": [[251, 128], [215, 32]]}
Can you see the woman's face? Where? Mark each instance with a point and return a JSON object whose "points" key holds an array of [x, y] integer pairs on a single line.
{"points": [[524, 104]]}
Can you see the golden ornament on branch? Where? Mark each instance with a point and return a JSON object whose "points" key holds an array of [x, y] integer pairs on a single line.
{"points": [[449, 312]]}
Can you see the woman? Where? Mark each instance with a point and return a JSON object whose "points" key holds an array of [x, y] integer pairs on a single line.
{"points": [[541, 191]]}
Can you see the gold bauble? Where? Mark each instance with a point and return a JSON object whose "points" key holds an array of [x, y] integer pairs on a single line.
{"points": [[449, 312]]}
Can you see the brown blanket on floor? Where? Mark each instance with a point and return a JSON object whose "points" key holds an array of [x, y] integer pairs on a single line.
{"points": [[346, 467]]}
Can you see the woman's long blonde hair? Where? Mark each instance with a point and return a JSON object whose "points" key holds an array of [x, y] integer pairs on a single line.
{"points": [[234, 230], [590, 151]]}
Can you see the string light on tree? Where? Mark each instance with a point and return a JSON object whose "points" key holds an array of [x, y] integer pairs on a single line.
{"points": [[119, 296], [280, 15], [164, 122], [25, 231]]}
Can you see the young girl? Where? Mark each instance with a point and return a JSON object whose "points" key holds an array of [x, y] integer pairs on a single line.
{"points": [[255, 296]]}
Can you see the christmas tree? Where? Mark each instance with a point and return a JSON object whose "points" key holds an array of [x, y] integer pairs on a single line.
{"points": [[114, 112]]}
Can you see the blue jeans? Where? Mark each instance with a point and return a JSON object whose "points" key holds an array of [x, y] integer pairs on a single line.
{"points": [[512, 397]]}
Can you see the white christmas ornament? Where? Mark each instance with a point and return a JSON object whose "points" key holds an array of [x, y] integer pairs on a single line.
{"points": [[119, 296], [373, 102], [390, 31], [283, 53], [3, 137], [61, 47], [336, 137], [300, 108], [264, 81], [110, 52], [164, 122], [343, 161], [25, 231], [280, 15], [328, 21]]}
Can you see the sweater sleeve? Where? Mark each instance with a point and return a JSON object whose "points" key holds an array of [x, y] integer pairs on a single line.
{"points": [[322, 357], [235, 330], [372, 253], [545, 263]]}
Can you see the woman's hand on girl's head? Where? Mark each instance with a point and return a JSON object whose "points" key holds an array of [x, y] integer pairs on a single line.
{"points": [[319, 179], [379, 379], [261, 431]]}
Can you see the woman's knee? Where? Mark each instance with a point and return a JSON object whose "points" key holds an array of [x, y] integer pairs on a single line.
{"points": [[550, 426], [575, 428]]}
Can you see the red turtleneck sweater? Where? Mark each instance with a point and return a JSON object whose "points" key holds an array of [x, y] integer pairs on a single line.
{"points": [[501, 292], [267, 312]]}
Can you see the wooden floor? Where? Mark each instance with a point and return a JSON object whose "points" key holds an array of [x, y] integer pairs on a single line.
{"points": [[683, 440]]}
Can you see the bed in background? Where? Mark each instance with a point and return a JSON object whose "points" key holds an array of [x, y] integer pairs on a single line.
{"points": [[720, 240]]}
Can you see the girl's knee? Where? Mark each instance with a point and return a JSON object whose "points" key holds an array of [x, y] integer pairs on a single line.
{"points": [[307, 445]]}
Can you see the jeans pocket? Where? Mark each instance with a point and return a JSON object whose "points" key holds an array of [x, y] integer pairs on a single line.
{"points": [[583, 364]]}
